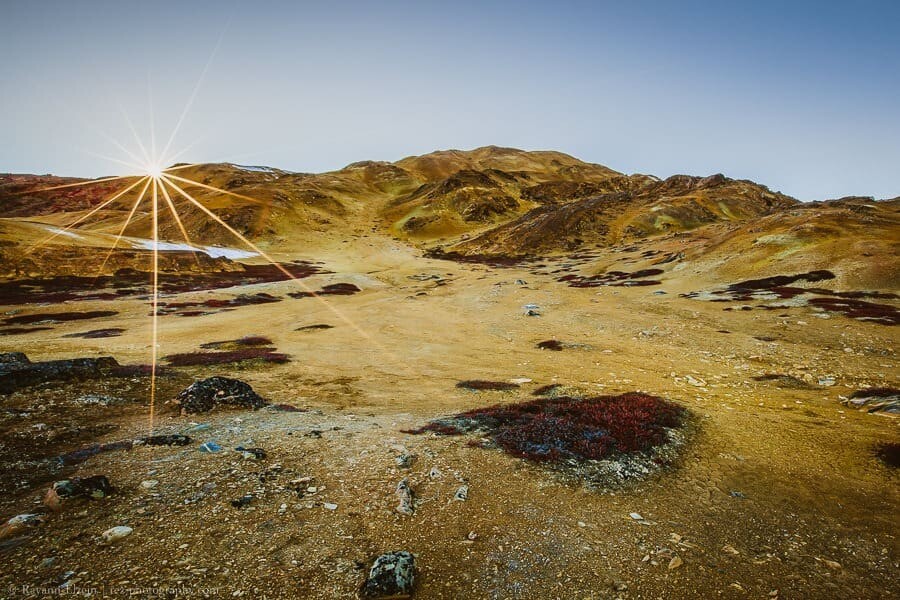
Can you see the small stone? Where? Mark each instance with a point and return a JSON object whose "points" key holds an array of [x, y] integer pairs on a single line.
{"points": [[405, 461], [636, 516], [149, 484], [392, 576], [462, 494], [694, 382], [832, 564], [251, 453], [243, 501], [114, 534], [19, 523], [330, 506], [730, 550], [405, 497], [675, 562]]}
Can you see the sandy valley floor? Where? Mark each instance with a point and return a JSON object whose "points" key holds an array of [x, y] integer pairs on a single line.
{"points": [[778, 493]]}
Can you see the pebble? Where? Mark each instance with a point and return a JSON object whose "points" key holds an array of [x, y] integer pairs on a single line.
{"points": [[405, 461], [114, 534], [406, 503], [462, 494], [330, 506], [149, 484], [675, 562], [210, 447], [636, 516]]}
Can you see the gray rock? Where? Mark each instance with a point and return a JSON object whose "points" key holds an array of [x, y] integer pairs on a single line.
{"points": [[392, 576], [405, 498]]}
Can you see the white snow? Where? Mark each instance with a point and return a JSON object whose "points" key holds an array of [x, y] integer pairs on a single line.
{"points": [[212, 251], [254, 168], [61, 231]]}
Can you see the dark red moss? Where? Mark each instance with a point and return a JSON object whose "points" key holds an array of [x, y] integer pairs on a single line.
{"points": [[315, 327], [131, 283], [22, 330], [96, 333], [613, 278], [880, 392], [58, 317], [243, 342], [859, 309], [550, 345], [216, 303], [556, 429], [193, 359], [484, 259], [888, 453], [480, 384], [334, 289], [768, 283]]}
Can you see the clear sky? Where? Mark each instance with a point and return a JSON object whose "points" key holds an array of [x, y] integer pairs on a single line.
{"points": [[801, 96]]}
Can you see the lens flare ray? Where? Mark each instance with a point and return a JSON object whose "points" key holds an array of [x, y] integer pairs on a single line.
{"points": [[125, 225], [83, 218]]}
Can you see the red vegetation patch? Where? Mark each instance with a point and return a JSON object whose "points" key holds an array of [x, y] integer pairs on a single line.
{"points": [[483, 259], [128, 283], [57, 317], [888, 453], [193, 359], [334, 289], [550, 345], [243, 342], [96, 333], [218, 304], [556, 429], [22, 330], [859, 309], [316, 327], [613, 278], [480, 384], [848, 303]]}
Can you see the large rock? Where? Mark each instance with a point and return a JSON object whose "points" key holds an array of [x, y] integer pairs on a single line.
{"points": [[203, 396], [17, 372], [392, 576]]}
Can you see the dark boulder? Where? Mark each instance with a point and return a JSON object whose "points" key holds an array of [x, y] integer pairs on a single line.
{"points": [[392, 576], [17, 372], [203, 396]]}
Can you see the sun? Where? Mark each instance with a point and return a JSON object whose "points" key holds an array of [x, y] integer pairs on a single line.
{"points": [[158, 188], [154, 170]]}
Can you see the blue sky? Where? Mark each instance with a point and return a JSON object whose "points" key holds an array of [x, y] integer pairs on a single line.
{"points": [[800, 96]]}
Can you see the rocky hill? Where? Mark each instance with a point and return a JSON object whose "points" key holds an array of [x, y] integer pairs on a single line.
{"points": [[487, 202]]}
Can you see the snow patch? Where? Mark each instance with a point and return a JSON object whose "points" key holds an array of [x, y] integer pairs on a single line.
{"points": [[212, 251]]}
